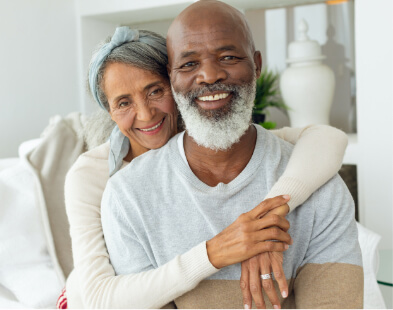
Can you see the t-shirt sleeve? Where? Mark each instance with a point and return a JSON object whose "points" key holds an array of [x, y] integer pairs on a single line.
{"points": [[331, 274]]}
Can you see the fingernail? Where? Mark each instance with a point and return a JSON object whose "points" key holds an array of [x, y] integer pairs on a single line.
{"points": [[246, 307], [286, 196], [286, 246], [284, 294], [276, 307]]}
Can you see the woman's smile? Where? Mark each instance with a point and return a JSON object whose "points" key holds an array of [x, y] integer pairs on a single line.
{"points": [[152, 130]]}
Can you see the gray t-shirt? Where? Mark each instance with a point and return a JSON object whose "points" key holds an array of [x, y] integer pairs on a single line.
{"points": [[156, 208]]}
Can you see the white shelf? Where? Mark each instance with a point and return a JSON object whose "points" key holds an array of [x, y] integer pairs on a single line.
{"points": [[137, 11], [351, 156]]}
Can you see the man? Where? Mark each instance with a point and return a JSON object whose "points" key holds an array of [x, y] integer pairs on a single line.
{"points": [[227, 167]]}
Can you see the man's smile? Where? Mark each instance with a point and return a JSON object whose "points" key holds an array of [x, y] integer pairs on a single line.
{"points": [[214, 97], [214, 100]]}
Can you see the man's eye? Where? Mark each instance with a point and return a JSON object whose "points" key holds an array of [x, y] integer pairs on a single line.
{"points": [[229, 58], [189, 64]]}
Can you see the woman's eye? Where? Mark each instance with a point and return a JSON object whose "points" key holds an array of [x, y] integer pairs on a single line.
{"points": [[156, 92], [123, 104]]}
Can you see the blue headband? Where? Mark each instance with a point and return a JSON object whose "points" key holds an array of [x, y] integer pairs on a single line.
{"points": [[122, 35], [119, 144]]}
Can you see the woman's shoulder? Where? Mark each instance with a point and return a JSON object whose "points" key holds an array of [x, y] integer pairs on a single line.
{"points": [[100, 152], [92, 163], [87, 178]]}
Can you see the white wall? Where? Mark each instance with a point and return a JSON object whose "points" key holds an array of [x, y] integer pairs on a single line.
{"points": [[374, 62], [38, 61]]}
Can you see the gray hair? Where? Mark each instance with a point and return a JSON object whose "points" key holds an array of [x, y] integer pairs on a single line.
{"points": [[137, 54], [97, 128]]}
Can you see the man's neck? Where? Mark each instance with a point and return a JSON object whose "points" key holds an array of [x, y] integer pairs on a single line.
{"points": [[213, 167]]}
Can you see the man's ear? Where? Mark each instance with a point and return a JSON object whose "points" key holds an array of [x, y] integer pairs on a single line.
{"points": [[168, 69], [258, 63]]}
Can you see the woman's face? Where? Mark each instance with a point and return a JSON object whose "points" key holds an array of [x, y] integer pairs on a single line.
{"points": [[142, 106]]}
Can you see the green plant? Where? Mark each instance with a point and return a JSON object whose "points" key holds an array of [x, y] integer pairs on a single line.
{"points": [[267, 95]]}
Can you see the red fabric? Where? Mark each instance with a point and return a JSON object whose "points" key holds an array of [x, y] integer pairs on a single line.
{"points": [[62, 300]]}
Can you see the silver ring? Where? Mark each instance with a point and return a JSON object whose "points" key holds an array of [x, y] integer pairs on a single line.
{"points": [[266, 276]]}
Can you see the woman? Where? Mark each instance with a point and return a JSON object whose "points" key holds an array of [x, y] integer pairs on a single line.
{"points": [[128, 78]]}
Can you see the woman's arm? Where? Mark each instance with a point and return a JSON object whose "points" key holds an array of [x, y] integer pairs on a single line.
{"points": [[317, 157], [98, 285]]}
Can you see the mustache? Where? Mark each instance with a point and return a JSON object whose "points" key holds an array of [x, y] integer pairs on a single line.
{"points": [[193, 94]]}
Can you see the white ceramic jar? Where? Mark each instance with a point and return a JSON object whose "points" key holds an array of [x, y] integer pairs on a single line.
{"points": [[307, 85]]}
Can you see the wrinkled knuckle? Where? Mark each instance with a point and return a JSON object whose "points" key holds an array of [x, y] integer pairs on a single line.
{"points": [[275, 232], [272, 246], [254, 288], [267, 246], [278, 275], [243, 285], [242, 217], [276, 219], [259, 305], [267, 285]]}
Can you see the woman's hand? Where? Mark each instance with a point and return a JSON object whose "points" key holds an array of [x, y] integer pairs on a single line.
{"points": [[251, 283], [250, 235]]}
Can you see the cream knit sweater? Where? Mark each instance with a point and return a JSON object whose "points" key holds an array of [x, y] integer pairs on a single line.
{"points": [[317, 156]]}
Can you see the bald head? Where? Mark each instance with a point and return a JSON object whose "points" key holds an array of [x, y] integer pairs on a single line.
{"points": [[205, 14]]}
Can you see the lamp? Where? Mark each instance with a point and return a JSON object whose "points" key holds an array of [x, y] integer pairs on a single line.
{"points": [[332, 2]]}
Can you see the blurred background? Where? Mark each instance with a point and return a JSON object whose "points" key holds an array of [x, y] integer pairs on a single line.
{"points": [[46, 47]]}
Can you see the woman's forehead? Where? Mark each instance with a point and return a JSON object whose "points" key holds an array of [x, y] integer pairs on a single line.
{"points": [[119, 76]]}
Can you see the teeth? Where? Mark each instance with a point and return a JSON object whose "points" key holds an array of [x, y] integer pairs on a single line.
{"points": [[214, 98], [152, 128]]}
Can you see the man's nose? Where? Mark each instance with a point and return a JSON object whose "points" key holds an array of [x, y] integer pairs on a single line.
{"points": [[210, 72]]}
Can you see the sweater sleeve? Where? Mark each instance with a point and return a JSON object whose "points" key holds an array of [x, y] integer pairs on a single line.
{"points": [[99, 287], [316, 157]]}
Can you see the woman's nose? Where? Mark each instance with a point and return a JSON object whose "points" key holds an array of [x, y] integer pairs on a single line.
{"points": [[145, 113], [210, 72]]}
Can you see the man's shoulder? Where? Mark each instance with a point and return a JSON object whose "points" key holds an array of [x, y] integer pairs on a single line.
{"points": [[329, 205], [335, 190], [274, 152], [272, 142]]}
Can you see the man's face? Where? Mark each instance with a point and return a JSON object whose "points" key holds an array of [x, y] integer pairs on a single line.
{"points": [[213, 70]]}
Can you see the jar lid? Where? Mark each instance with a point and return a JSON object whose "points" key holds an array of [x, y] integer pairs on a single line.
{"points": [[304, 49]]}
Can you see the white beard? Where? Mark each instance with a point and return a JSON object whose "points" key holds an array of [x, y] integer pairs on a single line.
{"points": [[218, 130]]}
